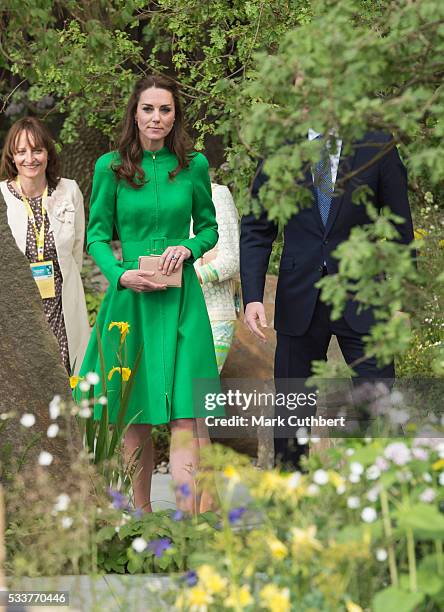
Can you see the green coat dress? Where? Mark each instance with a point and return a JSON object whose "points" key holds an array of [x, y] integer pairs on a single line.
{"points": [[172, 326]]}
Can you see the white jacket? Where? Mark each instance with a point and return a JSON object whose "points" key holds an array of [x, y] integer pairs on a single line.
{"points": [[219, 267], [67, 219]]}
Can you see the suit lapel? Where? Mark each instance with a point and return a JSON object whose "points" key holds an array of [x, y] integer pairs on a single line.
{"points": [[346, 163]]}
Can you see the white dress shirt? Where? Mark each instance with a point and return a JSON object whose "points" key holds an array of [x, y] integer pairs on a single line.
{"points": [[334, 157]]}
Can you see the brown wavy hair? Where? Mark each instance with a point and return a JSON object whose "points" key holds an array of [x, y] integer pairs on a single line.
{"points": [[130, 147], [41, 136]]}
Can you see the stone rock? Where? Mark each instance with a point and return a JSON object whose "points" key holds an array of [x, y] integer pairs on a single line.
{"points": [[31, 370]]}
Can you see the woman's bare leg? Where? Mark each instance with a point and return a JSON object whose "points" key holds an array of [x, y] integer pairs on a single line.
{"points": [[140, 436], [184, 462], [207, 500]]}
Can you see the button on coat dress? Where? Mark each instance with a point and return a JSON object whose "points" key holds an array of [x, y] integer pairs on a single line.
{"points": [[172, 326]]}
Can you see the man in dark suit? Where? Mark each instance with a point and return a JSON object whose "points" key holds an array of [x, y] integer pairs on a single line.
{"points": [[302, 321]]}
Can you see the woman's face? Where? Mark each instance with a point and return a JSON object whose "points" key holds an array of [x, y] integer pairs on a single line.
{"points": [[155, 116], [30, 161]]}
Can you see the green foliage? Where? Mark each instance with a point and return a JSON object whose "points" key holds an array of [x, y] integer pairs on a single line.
{"points": [[187, 536]]}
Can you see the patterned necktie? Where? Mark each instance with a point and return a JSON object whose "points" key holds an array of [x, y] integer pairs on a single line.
{"points": [[323, 185]]}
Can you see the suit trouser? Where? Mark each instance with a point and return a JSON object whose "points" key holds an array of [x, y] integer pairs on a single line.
{"points": [[293, 358]]}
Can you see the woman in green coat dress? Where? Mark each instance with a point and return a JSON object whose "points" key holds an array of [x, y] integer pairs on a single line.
{"points": [[149, 191]]}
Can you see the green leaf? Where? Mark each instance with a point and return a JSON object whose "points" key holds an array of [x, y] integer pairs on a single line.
{"points": [[425, 520], [394, 599]]}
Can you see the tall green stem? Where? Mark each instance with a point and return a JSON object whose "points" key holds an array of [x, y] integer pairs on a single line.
{"points": [[388, 534], [412, 560], [439, 557]]}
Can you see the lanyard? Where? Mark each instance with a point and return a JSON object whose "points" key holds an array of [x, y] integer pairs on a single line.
{"points": [[39, 236]]}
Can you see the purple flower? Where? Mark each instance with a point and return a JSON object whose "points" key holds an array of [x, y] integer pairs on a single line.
{"points": [[138, 513], [235, 514], [120, 502], [184, 490], [190, 578], [178, 515], [158, 547]]}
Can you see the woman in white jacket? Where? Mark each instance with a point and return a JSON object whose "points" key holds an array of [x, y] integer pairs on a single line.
{"points": [[217, 272], [46, 217]]}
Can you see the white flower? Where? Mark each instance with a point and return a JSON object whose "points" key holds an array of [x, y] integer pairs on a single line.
{"points": [[341, 489], [66, 522], [373, 494], [294, 480], [117, 529], [85, 412], [139, 544], [92, 378], [320, 477], [441, 479], [302, 435], [27, 420], [350, 451], [354, 478], [367, 439], [381, 554], [84, 403], [54, 407], [398, 452], [396, 397], [102, 400], [369, 515], [313, 489], [356, 468], [382, 464], [84, 385], [52, 430], [398, 417], [427, 477], [373, 472], [420, 453], [427, 496], [45, 458], [62, 502], [353, 502]]}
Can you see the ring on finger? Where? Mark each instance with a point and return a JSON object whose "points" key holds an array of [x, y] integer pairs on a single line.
{"points": [[174, 257]]}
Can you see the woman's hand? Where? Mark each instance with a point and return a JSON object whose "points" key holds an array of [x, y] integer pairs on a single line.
{"points": [[139, 281], [172, 258]]}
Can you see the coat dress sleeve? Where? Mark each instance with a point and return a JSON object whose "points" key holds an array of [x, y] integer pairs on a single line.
{"points": [[203, 212], [101, 221]]}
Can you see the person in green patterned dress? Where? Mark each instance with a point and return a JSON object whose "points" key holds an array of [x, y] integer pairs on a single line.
{"points": [[148, 191]]}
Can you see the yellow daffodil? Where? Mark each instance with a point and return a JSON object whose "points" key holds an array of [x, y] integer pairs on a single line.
{"points": [[231, 473], [352, 607], [420, 234], [304, 540], [123, 327], [124, 372], [277, 548], [441, 244], [336, 479], [73, 381], [438, 465], [239, 598], [274, 599], [199, 599], [210, 579]]}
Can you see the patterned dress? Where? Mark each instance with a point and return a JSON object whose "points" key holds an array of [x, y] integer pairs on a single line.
{"points": [[52, 307]]}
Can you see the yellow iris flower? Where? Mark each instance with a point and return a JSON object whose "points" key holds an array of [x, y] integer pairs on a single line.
{"points": [[123, 327], [73, 381], [124, 372]]}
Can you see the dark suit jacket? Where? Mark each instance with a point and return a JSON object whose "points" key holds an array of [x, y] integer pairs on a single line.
{"points": [[307, 243]]}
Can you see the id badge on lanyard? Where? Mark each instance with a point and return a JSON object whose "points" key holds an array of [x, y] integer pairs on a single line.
{"points": [[42, 271]]}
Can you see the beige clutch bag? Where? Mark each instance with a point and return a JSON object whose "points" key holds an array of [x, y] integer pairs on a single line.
{"points": [[150, 263]]}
